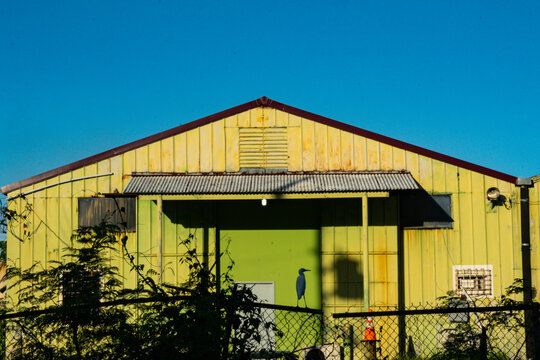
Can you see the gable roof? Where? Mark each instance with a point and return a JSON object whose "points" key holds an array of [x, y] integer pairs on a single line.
{"points": [[264, 102]]}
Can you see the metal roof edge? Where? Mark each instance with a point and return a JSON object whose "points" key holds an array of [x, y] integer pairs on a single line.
{"points": [[132, 145], [393, 142], [264, 102], [241, 173]]}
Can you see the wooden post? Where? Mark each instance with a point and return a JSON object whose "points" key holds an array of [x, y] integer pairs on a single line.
{"points": [[365, 256], [159, 239], [402, 325], [217, 248]]}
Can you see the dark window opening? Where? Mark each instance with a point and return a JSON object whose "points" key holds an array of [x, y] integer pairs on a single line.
{"points": [[419, 209], [119, 211], [80, 286]]}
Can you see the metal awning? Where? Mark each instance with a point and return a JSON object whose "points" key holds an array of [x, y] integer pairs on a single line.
{"points": [[279, 183]]}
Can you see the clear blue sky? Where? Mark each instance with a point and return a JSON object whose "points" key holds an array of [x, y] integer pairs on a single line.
{"points": [[457, 77]]}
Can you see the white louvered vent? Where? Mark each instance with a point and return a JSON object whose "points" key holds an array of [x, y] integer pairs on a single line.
{"points": [[265, 148]]}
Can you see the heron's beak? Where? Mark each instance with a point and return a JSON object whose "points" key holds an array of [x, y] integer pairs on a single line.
{"points": [[307, 270]]}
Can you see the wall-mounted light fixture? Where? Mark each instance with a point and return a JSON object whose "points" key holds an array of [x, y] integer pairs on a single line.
{"points": [[497, 199], [493, 194]]}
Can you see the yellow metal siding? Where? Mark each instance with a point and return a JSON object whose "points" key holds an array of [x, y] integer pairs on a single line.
{"points": [[346, 150], [321, 147], [205, 151], [308, 148], [386, 157], [243, 119], [129, 165], [480, 235], [193, 150], [218, 146], [295, 148], [334, 149], [141, 159], [154, 156], [342, 255], [232, 155], [167, 155], [180, 153]]}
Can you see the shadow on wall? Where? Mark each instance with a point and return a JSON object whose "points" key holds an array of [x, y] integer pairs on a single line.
{"points": [[350, 279], [416, 208]]}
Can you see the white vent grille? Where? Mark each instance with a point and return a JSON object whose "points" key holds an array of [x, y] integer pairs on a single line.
{"points": [[265, 148], [475, 280]]}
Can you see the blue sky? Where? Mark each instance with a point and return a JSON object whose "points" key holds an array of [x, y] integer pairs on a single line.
{"points": [[81, 77]]}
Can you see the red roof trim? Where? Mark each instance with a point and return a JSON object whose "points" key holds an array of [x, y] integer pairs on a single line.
{"points": [[264, 101], [392, 142]]}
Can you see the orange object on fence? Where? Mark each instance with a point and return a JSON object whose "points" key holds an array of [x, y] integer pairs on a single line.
{"points": [[369, 334]]}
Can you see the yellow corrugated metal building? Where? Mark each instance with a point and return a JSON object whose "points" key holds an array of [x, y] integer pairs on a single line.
{"points": [[446, 235]]}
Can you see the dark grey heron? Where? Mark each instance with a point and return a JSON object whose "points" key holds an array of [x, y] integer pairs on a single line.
{"points": [[301, 285]]}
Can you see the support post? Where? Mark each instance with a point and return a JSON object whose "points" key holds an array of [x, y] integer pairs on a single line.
{"points": [[159, 224], [402, 325], [525, 183], [526, 245], [365, 260], [217, 249]]}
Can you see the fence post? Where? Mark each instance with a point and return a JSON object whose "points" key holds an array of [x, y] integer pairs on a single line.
{"points": [[483, 345], [536, 331], [351, 342]]}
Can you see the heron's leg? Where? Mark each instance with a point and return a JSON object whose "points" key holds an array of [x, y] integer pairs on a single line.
{"points": [[297, 302], [305, 304]]}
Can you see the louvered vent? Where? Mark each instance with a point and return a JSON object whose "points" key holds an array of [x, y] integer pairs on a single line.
{"points": [[263, 148]]}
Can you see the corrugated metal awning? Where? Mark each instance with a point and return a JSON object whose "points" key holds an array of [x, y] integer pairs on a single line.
{"points": [[280, 183]]}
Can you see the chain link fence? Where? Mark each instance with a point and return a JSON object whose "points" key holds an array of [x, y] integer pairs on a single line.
{"points": [[434, 333], [288, 333], [283, 332], [293, 331], [421, 332]]}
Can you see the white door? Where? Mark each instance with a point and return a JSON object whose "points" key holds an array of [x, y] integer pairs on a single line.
{"points": [[264, 290]]}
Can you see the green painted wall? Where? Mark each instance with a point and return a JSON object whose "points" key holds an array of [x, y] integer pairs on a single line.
{"points": [[271, 243], [266, 243]]}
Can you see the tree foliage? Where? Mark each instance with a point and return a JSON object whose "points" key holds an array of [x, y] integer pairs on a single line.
{"points": [[469, 339], [203, 318]]}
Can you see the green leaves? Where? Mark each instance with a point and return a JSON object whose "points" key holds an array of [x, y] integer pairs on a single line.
{"points": [[213, 320], [82, 277]]}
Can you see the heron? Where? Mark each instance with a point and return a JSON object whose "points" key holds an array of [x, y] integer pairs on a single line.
{"points": [[301, 285]]}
